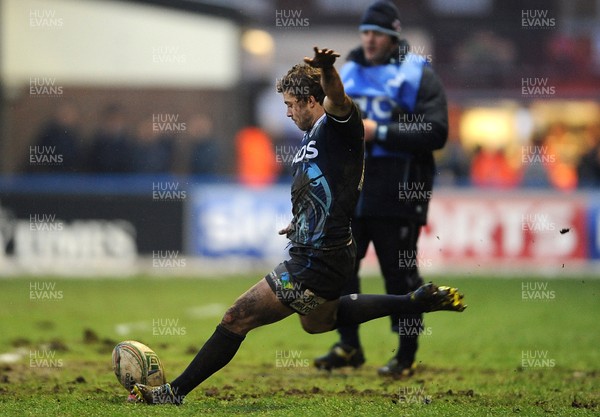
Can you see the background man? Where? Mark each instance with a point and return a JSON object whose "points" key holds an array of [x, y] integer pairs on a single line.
{"points": [[406, 119]]}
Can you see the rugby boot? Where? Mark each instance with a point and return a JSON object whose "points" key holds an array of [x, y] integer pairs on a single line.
{"points": [[397, 369], [162, 394], [340, 355], [434, 298]]}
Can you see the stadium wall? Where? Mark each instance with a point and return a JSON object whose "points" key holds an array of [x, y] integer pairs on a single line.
{"points": [[123, 226]]}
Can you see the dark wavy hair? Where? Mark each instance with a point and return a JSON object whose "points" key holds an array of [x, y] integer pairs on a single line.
{"points": [[302, 81]]}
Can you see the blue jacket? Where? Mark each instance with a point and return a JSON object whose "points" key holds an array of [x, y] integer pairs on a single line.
{"points": [[407, 100]]}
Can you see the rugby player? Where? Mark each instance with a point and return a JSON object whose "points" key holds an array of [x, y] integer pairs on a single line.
{"points": [[327, 176]]}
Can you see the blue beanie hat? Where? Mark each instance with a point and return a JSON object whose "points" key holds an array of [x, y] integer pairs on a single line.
{"points": [[381, 16]]}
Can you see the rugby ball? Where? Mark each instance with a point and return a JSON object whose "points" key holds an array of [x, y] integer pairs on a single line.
{"points": [[133, 362]]}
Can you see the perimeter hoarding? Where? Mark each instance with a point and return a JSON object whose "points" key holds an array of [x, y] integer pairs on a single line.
{"points": [[506, 230], [593, 218], [489, 231], [83, 233], [225, 221]]}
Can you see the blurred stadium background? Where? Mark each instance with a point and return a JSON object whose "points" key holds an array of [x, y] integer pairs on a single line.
{"points": [[146, 136]]}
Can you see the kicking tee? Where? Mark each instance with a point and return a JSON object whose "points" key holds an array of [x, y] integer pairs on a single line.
{"points": [[327, 178]]}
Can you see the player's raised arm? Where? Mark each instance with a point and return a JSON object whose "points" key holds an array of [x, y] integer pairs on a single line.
{"points": [[336, 102]]}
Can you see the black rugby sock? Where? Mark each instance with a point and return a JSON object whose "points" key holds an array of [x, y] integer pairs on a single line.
{"points": [[349, 335], [359, 308], [410, 326], [215, 354]]}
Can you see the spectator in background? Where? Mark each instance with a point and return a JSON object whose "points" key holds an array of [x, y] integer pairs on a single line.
{"points": [[257, 162], [453, 164], [491, 168], [536, 170], [151, 151], [110, 151], [564, 147], [453, 161], [202, 146], [588, 168], [58, 145]]}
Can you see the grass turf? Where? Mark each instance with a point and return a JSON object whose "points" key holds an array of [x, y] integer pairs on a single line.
{"points": [[509, 353]]}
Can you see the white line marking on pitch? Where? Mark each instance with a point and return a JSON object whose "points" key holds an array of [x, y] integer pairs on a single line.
{"points": [[126, 328], [13, 357], [208, 310]]}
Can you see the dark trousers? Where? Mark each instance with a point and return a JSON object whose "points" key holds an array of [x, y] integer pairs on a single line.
{"points": [[395, 243]]}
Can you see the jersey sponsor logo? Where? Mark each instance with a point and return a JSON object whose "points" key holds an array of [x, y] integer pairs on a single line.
{"points": [[376, 108], [308, 151]]}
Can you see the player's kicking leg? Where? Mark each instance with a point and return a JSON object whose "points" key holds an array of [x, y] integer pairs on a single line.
{"points": [[263, 304], [256, 307], [359, 308]]}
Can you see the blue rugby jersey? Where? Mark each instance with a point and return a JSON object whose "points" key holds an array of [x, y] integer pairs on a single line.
{"points": [[327, 178]]}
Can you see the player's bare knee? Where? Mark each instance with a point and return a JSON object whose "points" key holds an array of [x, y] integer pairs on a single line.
{"points": [[237, 320], [315, 328], [310, 329], [231, 318], [227, 319]]}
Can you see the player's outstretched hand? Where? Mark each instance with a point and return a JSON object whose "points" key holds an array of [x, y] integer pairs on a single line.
{"points": [[324, 58], [287, 229]]}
